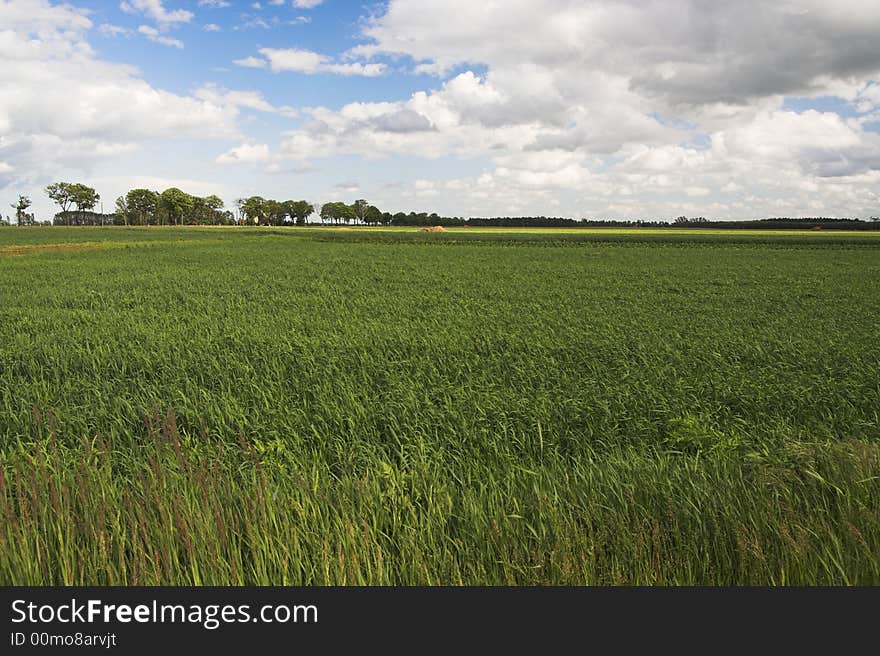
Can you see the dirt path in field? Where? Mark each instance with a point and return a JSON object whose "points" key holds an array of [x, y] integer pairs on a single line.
{"points": [[34, 249], [27, 249]]}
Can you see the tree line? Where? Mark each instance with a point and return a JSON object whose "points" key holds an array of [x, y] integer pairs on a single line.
{"points": [[776, 223], [175, 207], [170, 207]]}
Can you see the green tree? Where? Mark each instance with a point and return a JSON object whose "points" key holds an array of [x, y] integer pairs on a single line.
{"points": [[206, 211], [214, 206], [199, 213], [61, 193], [360, 208], [253, 210], [337, 212], [327, 213], [66, 194], [275, 212], [347, 213], [374, 215], [176, 204], [121, 211], [85, 198], [21, 215], [299, 210], [142, 206]]}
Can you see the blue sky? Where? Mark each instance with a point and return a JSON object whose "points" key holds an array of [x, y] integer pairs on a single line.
{"points": [[329, 29], [609, 109]]}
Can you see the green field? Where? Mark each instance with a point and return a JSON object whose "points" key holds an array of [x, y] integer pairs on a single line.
{"points": [[304, 406]]}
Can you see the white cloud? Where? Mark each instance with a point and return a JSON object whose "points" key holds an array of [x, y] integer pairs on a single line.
{"points": [[744, 171], [245, 154], [821, 143], [42, 131], [638, 108], [684, 50], [291, 59], [467, 116], [347, 186], [255, 22], [251, 62], [306, 4], [211, 27], [154, 35], [113, 31], [214, 4], [156, 10], [221, 97], [306, 61]]}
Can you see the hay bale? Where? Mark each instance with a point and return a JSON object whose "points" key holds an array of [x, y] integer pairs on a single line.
{"points": [[434, 229]]}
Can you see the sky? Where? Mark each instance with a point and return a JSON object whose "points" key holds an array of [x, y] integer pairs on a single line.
{"points": [[625, 109]]}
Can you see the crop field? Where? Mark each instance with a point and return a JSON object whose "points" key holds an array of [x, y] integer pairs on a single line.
{"points": [[325, 406]]}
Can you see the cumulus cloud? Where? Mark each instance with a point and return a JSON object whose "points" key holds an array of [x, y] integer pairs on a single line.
{"points": [[821, 143], [110, 30], [115, 111], [251, 62], [306, 61], [447, 121], [157, 37], [686, 50], [402, 121], [222, 97], [616, 103], [156, 10], [245, 154]]}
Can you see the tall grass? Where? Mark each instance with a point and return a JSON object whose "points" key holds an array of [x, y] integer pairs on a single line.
{"points": [[175, 511], [265, 409]]}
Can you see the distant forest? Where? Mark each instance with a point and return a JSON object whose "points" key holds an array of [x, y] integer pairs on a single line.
{"points": [[173, 206], [776, 223]]}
